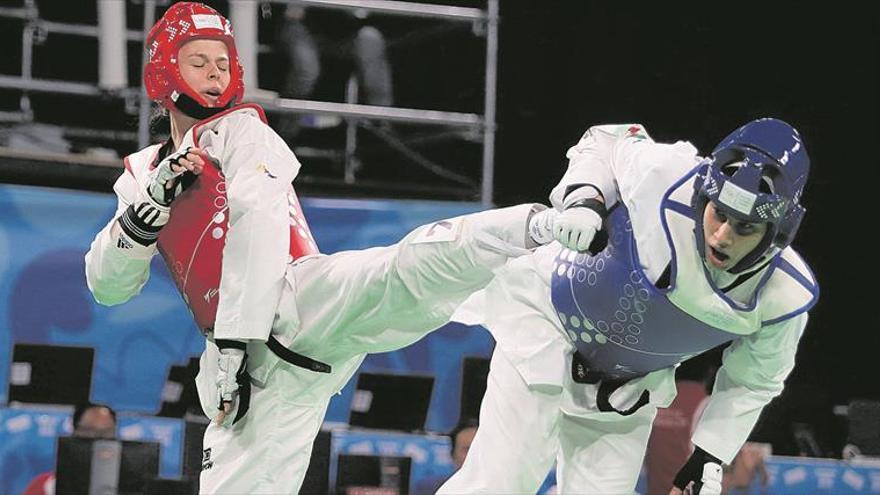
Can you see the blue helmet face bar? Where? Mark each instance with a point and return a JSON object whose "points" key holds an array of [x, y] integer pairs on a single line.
{"points": [[756, 174], [745, 189]]}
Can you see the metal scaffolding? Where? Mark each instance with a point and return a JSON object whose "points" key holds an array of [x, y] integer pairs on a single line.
{"points": [[243, 16]]}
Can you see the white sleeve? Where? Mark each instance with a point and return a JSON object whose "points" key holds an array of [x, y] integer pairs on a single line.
{"points": [[259, 168], [117, 269], [598, 159], [753, 372]]}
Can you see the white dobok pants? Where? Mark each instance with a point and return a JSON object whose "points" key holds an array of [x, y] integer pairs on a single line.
{"points": [[336, 309]]}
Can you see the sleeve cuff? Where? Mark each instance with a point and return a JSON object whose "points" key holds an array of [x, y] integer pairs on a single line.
{"points": [[238, 331]]}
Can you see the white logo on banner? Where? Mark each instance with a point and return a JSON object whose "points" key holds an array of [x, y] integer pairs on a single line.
{"points": [[132, 432], [17, 424], [855, 480], [794, 476], [388, 447], [162, 433], [47, 426], [418, 454], [362, 448], [826, 477]]}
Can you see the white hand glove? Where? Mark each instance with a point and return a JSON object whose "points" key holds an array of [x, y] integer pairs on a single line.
{"points": [[541, 226], [575, 227], [711, 479], [162, 182], [230, 363]]}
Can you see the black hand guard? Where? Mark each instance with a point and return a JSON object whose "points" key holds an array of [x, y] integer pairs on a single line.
{"points": [[142, 222], [693, 470]]}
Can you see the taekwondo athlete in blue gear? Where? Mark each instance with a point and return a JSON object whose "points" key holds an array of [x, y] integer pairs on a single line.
{"points": [[697, 254]]}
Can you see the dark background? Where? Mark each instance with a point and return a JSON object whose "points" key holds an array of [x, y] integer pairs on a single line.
{"points": [[686, 71], [696, 73]]}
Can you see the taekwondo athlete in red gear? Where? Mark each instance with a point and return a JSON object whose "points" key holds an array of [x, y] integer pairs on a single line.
{"points": [[286, 327], [695, 253]]}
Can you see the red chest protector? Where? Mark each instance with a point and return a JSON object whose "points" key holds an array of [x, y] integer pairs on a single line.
{"points": [[192, 242], [193, 239]]}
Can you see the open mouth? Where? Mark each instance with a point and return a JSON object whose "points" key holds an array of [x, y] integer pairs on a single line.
{"points": [[717, 257], [212, 94]]}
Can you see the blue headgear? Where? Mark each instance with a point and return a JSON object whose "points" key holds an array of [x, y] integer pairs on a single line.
{"points": [[756, 174]]}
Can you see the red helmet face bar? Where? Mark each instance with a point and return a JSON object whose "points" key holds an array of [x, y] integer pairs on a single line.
{"points": [[183, 22]]}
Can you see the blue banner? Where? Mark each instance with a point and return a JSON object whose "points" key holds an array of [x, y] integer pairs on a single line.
{"points": [[44, 234], [28, 442], [797, 475]]}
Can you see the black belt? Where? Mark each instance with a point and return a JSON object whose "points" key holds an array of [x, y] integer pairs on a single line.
{"points": [[244, 391], [243, 378], [296, 359], [581, 373]]}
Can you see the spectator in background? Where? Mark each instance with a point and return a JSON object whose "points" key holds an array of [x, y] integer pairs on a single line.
{"points": [[94, 421], [89, 421], [460, 439], [332, 44], [462, 436], [747, 466]]}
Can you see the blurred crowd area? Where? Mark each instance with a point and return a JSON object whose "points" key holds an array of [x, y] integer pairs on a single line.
{"points": [[421, 63]]}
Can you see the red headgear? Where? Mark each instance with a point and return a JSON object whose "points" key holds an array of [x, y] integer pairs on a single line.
{"points": [[182, 22]]}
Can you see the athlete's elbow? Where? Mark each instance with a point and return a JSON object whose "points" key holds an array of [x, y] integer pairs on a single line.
{"points": [[767, 389], [106, 295], [110, 299]]}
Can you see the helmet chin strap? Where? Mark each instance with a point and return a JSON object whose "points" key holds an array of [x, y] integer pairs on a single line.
{"points": [[191, 107], [726, 280], [766, 249]]}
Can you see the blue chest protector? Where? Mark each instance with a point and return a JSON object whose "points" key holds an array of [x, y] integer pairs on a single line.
{"points": [[622, 325]]}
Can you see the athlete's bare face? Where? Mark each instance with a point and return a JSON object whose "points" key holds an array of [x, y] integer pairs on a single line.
{"points": [[204, 65], [727, 239]]}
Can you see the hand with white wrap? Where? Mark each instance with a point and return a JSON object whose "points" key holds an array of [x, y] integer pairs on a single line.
{"points": [[151, 209], [163, 184], [582, 213], [231, 371], [576, 227], [541, 226]]}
